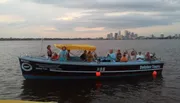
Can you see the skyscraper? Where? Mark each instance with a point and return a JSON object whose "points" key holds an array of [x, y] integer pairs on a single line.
{"points": [[126, 34], [115, 36], [119, 32], [110, 36]]}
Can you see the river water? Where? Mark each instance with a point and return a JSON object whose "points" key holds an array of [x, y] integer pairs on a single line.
{"points": [[164, 89]]}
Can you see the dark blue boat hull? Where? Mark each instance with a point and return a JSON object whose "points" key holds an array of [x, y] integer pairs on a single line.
{"points": [[38, 68]]}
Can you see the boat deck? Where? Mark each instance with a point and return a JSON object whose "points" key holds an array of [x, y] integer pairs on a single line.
{"points": [[45, 60]]}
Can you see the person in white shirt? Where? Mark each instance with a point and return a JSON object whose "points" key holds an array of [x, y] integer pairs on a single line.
{"points": [[140, 57], [111, 55]]}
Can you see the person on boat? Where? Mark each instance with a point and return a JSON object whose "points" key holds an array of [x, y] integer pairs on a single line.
{"points": [[127, 54], [63, 55], [124, 58], [118, 55], [147, 56], [69, 54], [49, 51], [95, 55], [89, 56], [111, 55], [84, 56], [140, 57], [133, 55], [55, 56], [153, 56]]}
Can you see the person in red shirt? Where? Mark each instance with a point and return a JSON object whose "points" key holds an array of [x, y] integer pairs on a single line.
{"points": [[55, 56]]}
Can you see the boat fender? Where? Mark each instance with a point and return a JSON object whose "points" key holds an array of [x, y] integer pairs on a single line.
{"points": [[98, 74]]}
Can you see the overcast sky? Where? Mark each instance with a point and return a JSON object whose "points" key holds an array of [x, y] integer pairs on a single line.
{"points": [[87, 18]]}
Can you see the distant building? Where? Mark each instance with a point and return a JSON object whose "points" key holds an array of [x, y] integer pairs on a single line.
{"points": [[110, 36], [141, 37], [136, 35], [152, 36], [126, 34], [179, 36], [176, 35], [115, 36], [119, 32], [120, 37], [162, 36]]}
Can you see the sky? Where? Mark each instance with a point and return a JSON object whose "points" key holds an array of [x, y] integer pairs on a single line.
{"points": [[87, 18]]}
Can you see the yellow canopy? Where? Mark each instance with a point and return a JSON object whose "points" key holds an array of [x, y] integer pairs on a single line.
{"points": [[76, 47]]}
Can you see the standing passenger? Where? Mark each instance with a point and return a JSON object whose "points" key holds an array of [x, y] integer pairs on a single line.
{"points": [[63, 55]]}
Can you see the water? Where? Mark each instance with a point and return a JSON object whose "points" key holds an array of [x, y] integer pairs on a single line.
{"points": [[165, 89]]}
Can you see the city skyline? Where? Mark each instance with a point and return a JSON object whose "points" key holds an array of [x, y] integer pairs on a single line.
{"points": [[86, 19]]}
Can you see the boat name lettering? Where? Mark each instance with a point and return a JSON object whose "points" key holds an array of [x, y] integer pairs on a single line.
{"points": [[101, 69], [55, 69], [47, 67], [150, 67], [156, 66], [37, 68]]}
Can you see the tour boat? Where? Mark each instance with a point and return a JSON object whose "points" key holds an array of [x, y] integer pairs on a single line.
{"points": [[44, 68]]}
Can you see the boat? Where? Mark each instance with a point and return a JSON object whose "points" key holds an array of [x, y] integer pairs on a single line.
{"points": [[44, 68]]}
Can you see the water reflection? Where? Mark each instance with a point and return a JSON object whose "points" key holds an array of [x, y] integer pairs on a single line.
{"points": [[86, 91]]}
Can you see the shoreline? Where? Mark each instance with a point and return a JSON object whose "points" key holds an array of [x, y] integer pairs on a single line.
{"points": [[77, 39]]}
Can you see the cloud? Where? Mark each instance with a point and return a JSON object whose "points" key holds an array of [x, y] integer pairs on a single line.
{"points": [[71, 16], [85, 17], [116, 5], [11, 19], [50, 29], [3, 1], [89, 29]]}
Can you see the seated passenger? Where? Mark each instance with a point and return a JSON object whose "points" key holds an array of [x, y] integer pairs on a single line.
{"points": [[153, 56], [118, 56], [84, 56], [124, 58], [63, 54], [148, 57], [49, 51], [127, 54], [55, 56], [133, 55], [111, 55], [95, 56], [89, 56], [140, 57]]}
